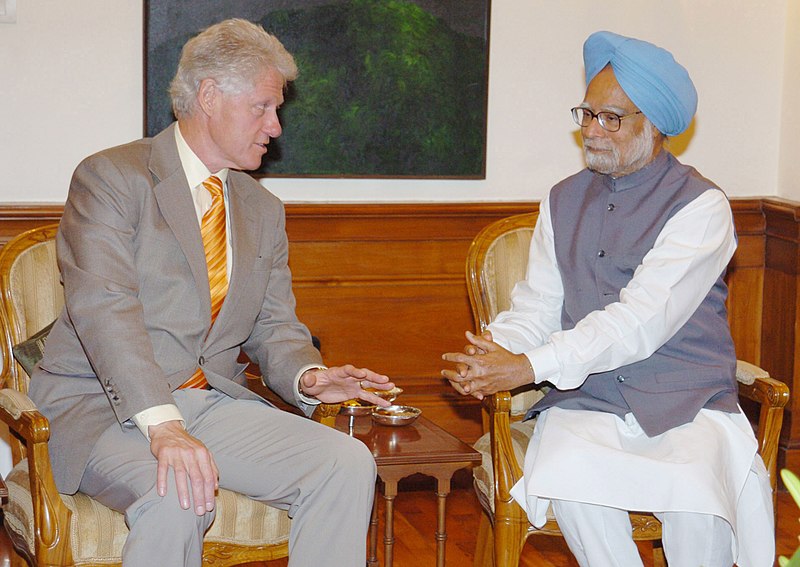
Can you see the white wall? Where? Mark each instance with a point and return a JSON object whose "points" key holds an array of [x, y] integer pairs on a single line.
{"points": [[789, 161], [71, 84]]}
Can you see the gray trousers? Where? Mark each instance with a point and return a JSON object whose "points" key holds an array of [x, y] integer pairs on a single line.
{"points": [[324, 479]]}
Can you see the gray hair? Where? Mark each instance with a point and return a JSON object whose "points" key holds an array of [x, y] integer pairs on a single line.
{"points": [[233, 53]]}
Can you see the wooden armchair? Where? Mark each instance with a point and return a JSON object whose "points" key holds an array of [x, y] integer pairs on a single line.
{"points": [[497, 259], [48, 528]]}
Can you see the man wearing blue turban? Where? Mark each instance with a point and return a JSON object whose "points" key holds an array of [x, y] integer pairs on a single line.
{"points": [[623, 314]]}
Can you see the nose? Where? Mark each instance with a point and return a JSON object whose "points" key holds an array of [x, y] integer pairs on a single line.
{"points": [[272, 124], [593, 130]]}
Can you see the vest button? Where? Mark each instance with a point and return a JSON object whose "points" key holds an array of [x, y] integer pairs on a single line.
{"points": [[201, 361], [620, 378], [611, 206], [602, 253]]}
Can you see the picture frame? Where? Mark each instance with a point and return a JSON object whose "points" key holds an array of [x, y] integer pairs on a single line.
{"points": [[386, 88]]}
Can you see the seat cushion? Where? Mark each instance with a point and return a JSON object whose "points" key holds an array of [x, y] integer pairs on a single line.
{"points": [[522, 401], [98, 533], [521, 432]]}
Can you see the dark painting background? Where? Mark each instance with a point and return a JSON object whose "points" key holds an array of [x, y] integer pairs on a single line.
{"points": [[386, 88]]}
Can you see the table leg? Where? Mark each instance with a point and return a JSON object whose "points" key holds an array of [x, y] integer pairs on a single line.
{"points": [[443, 489], [389, 493], [372, 556]]}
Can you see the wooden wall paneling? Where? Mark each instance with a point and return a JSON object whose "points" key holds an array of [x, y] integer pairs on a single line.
{"points": [[383, 286], [745, 280], [17, 218], [779, 337]]}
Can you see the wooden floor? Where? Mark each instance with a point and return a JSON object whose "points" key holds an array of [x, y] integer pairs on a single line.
{"points": [[415, 525]]}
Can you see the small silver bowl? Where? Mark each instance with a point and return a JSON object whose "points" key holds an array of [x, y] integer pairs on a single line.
{"points": [[395, 415]]}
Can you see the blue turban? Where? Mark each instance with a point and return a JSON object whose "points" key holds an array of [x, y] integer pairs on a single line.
{"points": [[648, 74]]}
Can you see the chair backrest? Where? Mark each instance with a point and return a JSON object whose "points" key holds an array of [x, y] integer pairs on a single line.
{"points": [[497, 259], [31, 295]]}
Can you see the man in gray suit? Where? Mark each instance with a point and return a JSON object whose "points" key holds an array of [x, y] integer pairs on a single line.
{"points": [[147, 402], [623, 313]]}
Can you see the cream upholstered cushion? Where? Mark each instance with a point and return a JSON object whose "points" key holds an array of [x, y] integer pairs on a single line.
{"points": [[523, 401], [504, 265], [747, 373], [98, 533], [521, 432], [36, 290]]}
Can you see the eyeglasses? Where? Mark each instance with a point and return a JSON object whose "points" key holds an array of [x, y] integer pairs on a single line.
{"points": [[609, 121]]}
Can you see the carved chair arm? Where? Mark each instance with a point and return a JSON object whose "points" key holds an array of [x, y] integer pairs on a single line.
{"points": [[507, 471], [51, 517], [772, 395], [21, 415]]}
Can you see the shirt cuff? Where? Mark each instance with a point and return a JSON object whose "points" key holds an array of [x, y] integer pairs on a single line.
{"points": [[303, 398], [156, 415], [544, 363]]}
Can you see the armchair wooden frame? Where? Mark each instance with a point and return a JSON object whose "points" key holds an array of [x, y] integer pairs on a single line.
{"points": [[54, 528], [496, 260]]}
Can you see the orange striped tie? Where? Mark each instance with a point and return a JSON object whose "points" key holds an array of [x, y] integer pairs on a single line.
{"points": [[212, 229]]}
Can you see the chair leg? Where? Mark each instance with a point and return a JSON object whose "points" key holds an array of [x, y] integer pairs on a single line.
{"points": [[508, 542], [658, 555], [484, 547]]}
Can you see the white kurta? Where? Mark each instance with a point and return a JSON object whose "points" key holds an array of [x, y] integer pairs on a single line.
{"points": [[708, 466]]}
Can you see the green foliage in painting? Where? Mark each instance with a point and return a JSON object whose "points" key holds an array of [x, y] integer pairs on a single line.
{"points": [[385, 88]]}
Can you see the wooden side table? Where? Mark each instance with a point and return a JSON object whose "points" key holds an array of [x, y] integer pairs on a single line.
{"points": [[419, 448]]}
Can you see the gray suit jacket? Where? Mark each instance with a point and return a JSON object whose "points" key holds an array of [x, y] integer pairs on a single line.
{"points": [[137, 315]]}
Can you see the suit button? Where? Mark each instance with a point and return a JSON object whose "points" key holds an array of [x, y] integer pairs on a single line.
{"points": [[611, 206], [201, 361], [620, 378], [601, 254]]}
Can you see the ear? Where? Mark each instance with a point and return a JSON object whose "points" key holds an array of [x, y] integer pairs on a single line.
{"points": [[207, 95]]}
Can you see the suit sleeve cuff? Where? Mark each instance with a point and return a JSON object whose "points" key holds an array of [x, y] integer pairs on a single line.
{"points": [[155, 415]]}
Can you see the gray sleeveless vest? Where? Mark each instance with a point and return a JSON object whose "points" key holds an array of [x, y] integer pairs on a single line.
{"points": [[603, 228]]}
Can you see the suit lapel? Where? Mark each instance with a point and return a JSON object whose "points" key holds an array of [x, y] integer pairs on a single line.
{"points": [[174, 199]]}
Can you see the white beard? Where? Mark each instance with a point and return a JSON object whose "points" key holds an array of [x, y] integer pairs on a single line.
{"points": [[607, 163]]}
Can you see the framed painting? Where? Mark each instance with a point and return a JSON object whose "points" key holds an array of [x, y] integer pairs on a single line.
{"points": [[387, 88]]}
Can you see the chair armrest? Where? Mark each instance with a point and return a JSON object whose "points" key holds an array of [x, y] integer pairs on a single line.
{"points": [[21, 415], [767, 391], [51, 515], [507, 471], [771, 395]]}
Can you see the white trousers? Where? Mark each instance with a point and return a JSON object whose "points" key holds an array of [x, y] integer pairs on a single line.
{"points": [[705, 468], [599, 536]]}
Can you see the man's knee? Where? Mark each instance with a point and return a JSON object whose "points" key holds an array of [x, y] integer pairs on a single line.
{"points": [[166, 511], [353, 460]]}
